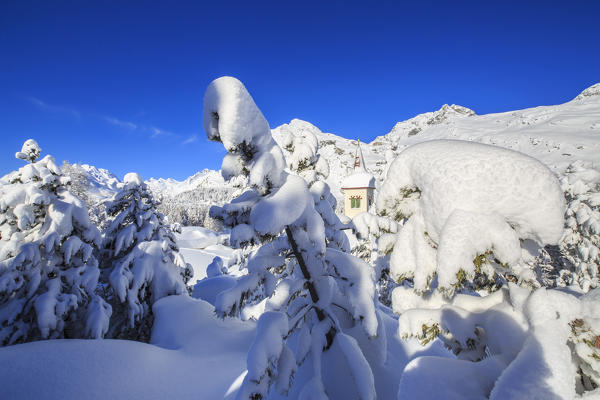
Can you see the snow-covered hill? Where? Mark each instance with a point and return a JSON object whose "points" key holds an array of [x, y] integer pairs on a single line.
{"points": [[556, 135]]}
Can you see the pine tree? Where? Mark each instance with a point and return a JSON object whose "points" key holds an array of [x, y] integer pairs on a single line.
{"points": [[580, 246], [375, 238], [142, 263], [311, 290], [48, 265]]}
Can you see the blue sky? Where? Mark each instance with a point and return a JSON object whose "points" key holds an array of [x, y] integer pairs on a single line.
{"points": [[119, 84]]}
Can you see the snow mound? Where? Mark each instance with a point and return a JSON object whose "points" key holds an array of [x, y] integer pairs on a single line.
{"points": [[196, 237], [193, 355], [458, 175]]}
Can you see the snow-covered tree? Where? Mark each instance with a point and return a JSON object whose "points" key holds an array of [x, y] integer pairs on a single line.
{"points": [[469, 209], [48, 265], [313, 294], [141, 260], [301, 153], [375, 237], [580, 246], [78, 182], [92, 185], [515, 343], [191, 208], [302, 157]]}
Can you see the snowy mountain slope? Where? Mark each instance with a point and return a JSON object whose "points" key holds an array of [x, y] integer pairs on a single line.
{"points": [[172, 187], [102, 183], [556, 135]]}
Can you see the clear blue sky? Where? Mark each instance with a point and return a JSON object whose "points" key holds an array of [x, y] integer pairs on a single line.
{"points": [[119, 84]]}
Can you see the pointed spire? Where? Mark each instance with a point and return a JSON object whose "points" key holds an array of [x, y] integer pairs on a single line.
{"points": [[359, 161]]}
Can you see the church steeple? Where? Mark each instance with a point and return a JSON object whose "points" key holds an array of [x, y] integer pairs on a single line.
{"points": [[359, 161], [358, 186]]}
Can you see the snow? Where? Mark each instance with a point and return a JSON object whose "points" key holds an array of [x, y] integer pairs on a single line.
{"points": [[465, 199], [30, 151], [592, 91], [193, 355], [361, 179], [195, 237], [171, 187], [264, 354], [282, 208], [133, 177], [199, 247], [231, 117], [455, 175], [361, 371]]}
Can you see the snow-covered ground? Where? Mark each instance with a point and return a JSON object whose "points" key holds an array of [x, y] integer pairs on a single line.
{"points": [[199, 246], [193, 354]]}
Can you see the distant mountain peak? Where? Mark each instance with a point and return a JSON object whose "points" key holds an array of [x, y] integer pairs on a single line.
{"points": [[449, 111], [413, 126], [593, 90]]}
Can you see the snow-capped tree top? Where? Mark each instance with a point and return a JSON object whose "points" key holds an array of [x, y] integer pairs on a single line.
{"points": [[30, 151], [133, 177], [231, 117]]}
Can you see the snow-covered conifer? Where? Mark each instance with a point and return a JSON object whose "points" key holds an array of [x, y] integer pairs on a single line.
{"points": [[469, 207], [141, 260], [48, 265], [519, 343], [30, 151], [312, 293], [301, 153], [375, 240], [580, 245]]}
